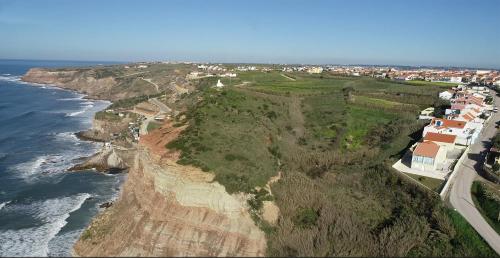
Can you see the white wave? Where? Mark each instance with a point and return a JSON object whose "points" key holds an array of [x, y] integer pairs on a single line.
{"points": [[29, 168], [67, 136], [3, 204], [43, 165], [88, 103], [62, 244], [78, 98], [85, 109], [10, 78], [34, 241], [17, 79]]}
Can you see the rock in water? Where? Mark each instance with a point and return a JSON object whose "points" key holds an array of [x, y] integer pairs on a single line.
{"points": [[105, 160]]}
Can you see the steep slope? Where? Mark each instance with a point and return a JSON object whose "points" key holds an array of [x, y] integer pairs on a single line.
{"points": [[167, 209], [81, 80], [115, 82]]}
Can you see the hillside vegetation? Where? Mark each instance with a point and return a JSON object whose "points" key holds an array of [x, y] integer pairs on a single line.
{"points": [[333, 139]]}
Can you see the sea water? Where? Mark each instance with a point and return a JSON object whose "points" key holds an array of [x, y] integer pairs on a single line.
{"points": [[44, 208]]}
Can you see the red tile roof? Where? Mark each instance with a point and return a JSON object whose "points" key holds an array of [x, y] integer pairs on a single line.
{"points": [[426, 149], [445, 123], [440, 137], [468, 117]]}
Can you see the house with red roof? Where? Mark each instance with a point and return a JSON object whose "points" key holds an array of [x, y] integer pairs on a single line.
{"points": [[466, 132], [427, 155], [447, 141]]}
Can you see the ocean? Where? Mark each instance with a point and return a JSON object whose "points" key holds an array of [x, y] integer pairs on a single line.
{"points": [[44, 208]]}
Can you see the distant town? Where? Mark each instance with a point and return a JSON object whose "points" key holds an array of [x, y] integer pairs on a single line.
{"points": [[402, 73]]}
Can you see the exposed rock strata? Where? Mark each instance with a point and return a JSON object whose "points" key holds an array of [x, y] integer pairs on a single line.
{"points": [[172, 210], [105, 160], [81, 81]]}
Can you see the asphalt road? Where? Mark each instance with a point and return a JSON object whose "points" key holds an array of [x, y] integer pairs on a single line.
{"points": [[460, 194]]}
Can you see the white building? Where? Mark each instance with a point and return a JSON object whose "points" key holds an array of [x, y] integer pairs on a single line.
{"points": [[466, 132], [426, 114], [315, 70], [427, 156], [456, 79], [446, 95], [219, 84]]}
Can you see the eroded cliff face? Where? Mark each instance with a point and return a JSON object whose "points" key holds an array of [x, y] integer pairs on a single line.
{"points": [[82, 81], [171, 210]]}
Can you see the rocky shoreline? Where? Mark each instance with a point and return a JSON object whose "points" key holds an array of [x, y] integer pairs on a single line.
{"points": [[164, 209]]}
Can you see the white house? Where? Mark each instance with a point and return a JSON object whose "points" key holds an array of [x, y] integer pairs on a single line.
{"points": [[447, 141], [426, 114], [315, 70], [446, 95], [466, 132], [456, 79], [427, 156]]}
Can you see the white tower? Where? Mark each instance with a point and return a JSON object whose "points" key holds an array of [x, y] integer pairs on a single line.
{"points": [[219, 84]]}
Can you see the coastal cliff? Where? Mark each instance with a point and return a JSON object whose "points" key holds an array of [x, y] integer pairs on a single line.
{"points": [[168, 209], [165, 209], [82, 81]]}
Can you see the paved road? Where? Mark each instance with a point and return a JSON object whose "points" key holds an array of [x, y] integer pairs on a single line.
{"points": [[460, 194]]}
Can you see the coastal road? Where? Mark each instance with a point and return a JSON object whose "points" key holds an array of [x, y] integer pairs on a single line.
{"points": [[460, 194]]}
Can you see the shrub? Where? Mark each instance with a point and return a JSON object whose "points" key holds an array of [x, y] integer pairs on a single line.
{"points": [[306, 218]]}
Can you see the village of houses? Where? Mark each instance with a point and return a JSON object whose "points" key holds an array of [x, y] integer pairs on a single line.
{"points": [[445, 140]]}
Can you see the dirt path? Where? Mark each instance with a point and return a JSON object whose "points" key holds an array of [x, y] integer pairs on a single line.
{"points": [[127, 75], [152, 83], [296, 116], [288, 77]]}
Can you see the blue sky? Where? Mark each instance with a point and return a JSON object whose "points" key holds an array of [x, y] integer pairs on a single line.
{"points": [[426, 32]]}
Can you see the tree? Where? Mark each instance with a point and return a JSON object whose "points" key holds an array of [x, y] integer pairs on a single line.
{"points": [[440, 107]]}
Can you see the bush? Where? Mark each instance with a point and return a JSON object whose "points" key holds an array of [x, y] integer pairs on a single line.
{"points": [[496, 167], [306, 218]]}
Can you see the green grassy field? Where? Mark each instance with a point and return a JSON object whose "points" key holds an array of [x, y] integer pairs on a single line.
{"points": [[152, 126], [107, 116], [428, 83]]}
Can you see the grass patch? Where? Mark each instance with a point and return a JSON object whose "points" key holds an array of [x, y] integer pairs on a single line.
{"points": [[152, 126], [432, 183], [232, 134], [467, 240], [435, 84], [107, 116], [360, 120], [488, 204]]}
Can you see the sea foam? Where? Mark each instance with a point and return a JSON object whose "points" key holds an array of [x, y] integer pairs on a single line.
{"points": [[34, 241], [3, 204]]}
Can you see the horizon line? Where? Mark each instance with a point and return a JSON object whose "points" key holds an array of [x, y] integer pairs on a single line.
{"points": [[257, 63]]}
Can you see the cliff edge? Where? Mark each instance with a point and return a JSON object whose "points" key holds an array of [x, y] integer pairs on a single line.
{"points": [[167, 209]]}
